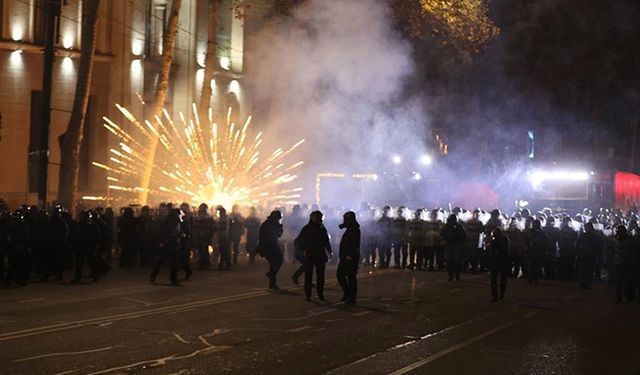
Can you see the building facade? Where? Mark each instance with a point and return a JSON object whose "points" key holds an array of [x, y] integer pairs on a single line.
{"points": [[126, 67]]}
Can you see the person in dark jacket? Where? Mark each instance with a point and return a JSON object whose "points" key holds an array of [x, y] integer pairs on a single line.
{"points": [[127, 238], [454, 237], [538, 245], [236, 231], [223, 239], [270, 231], [383, 237], [589, 246], [167, 245], [202, 232], [252, 225], [87, 241], [498, 254], [57, 237], [19, 250], [622, 261], [314, 242], [186, 224], [349, 258]]}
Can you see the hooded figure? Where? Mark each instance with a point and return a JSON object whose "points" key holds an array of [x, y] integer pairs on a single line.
{"points": [[270, 231], [349, 258], [314, 242]]}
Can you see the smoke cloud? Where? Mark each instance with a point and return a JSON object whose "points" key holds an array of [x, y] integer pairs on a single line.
{"points": [[334, 73]]}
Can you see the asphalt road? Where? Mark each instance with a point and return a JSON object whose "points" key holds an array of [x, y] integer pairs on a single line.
{"points": [[404, 322]]}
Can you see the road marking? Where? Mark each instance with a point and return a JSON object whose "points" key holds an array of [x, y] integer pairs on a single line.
{"points": [[125, 316], [454, 290], [139, 314], [32, 300], [311, 314], [179, 338], [164, 360], [463, 344], [361, 313], [303, 328], [136, 301], [105, 324], [62, 354]]}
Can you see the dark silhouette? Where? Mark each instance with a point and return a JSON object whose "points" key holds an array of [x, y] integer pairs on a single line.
{"points": [[349, 258], [314, 241]]}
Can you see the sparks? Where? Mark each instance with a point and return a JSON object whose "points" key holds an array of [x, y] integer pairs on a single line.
{"points": [[198, 162]]}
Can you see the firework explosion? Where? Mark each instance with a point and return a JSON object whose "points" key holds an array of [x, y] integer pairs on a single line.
{"points": [[198, 163]]}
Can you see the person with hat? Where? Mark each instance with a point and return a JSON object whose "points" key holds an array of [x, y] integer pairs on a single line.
{"points": [[349, 258], [314, 242], [270, 231]]}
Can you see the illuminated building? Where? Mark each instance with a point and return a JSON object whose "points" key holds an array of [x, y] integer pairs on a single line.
{"points": [[126, 64]]}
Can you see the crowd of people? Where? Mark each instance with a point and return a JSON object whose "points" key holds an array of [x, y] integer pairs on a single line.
{"points": [[44, 244]]}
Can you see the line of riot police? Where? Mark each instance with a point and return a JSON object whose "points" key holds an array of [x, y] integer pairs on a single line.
{"points": [[549, 245], [43, 244]]}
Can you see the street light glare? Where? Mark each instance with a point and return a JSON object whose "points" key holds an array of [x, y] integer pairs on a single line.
{"points": [[396, 159]]}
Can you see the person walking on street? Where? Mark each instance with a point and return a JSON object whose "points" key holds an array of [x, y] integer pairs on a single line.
{"points": [[349, 258], [270, 231], [314, 241]]}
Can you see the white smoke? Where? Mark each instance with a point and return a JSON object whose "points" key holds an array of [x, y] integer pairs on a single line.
{"points": [[334, 73]]}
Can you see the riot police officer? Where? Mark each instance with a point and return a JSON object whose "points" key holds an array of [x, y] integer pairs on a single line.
{"points": [[203, 229], [252, 225], [417, 234], [399, 239], [475, 229], [454, 238], [383, 237], [434, 254], [589, 246], [498, 255], [236, 231], [222, 235], [168, 241]]}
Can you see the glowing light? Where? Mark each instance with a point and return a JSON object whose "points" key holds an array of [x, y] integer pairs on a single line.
{"points": [[396, 159], [16, 56], [67, 65], [417, 177], [197, 161], [17, 31], [426, 160], [234, 86], [537, 178], [365, 176], [199, 77], [136, 68], [93, 198], [67, 41], [225, 63], [137, 46]]}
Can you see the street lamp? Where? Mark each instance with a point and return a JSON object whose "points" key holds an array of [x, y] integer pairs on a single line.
{"points": [[426, 160], [396, 159]]}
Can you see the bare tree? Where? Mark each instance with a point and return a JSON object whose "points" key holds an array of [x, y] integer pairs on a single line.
{"points": [[162, 89], [210, 59], [71, 140]]}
